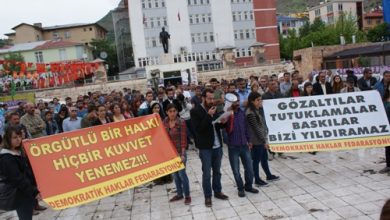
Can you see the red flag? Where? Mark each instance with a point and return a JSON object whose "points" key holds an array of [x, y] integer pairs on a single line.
{"points": [[178, 16]]}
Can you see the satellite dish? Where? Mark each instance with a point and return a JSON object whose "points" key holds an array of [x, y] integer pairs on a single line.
{"points": [[103, 55], [230, 97]]}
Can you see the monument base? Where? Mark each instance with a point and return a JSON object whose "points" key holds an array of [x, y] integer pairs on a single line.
{"points": [[166, 58]]}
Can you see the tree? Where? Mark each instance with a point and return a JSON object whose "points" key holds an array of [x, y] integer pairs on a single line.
{"points": [[103, 45], [379, 33], [12, 58]]}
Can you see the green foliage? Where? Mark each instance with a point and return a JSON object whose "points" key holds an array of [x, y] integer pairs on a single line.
{"points": [[320, 34], [379, 33], [103, 45], [12, 58]]}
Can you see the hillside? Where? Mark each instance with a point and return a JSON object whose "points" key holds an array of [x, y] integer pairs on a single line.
{"points": [[292, 6]]}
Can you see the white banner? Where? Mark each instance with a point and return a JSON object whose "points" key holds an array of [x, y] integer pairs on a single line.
{"points": [[327, 122]]}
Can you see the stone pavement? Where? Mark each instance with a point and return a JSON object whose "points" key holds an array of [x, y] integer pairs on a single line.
{"points": [[329, 185]]}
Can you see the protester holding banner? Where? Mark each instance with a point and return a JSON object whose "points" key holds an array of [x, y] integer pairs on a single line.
{"points": [[381, 85], [307, 89], [117, 113], [90, 117], [239, 148], [338, 84], [17, 176], [259, 139], [102, 117], [273, 93], [177, 132], [367, 82], [208, 139], [386, 101], [321, 87]]}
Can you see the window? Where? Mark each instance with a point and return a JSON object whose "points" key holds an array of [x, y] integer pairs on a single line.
{"points": [[205, 37], [209, 18], [38, 37], [331, 20], [55, 35], [193, 38], [146, 21], [196, 19], [149, 3], [163, 3], [154, 42], [234, 16], [245, 15], [201, 2], [251, 15], [243, 51], [317, 12], [241, 34], [199, 38], [236, 34], [329, 8], [39, 57], [143, 4], [189, 2], [248, 35], [158, 22], [67, 34], [340, 6], [165, 21], [239, 16], [211, 37], [62, 53], [203, 18], [156, 4], [152, 22], [369, 21], [195, 2], [253, 34], [249, 52], [85, 29], [191, 19], [90, 29]]}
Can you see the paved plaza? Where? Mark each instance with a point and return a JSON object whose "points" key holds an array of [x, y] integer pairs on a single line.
{"points": [[329, 185]]}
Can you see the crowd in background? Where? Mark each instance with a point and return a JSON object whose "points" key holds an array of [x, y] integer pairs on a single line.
{"points": [[190, 114]]}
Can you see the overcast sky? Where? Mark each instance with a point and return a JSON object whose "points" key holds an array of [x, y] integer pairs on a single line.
{"points": [[51, 12]]}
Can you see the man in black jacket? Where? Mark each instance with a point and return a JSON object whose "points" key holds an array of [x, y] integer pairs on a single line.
{"points": [[321, 87], [367, 82], [208, 139], [171, 99]]}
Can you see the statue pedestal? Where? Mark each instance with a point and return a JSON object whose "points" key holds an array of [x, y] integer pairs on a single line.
{"points": [[166, 58]]}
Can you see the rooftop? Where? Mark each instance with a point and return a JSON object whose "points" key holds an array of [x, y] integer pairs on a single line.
{"points": [[331, 2], [377, 48], [39, 45]]}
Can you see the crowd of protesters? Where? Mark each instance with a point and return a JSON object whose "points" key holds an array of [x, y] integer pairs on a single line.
{"points": [[191, 116]]}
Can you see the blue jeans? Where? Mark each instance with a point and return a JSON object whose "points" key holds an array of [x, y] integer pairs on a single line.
{"points": [[235, 154], [211, 159], [260, 155], [181, 181]]}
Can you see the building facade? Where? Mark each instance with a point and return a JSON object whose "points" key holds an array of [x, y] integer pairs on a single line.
{"points": [[80, 33], [331, 10], [199, 29], [286, 23], [50, 51], [372, 19]]}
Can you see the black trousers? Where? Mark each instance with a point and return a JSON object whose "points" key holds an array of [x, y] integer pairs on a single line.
{"points": [[25, 208], [387, 149]]}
